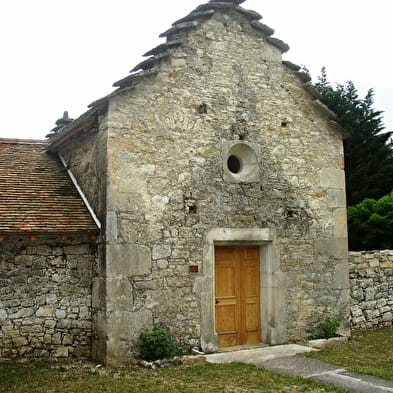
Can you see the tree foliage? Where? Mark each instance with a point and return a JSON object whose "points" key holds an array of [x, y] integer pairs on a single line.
{"points": [[368, 152], [370, 224]]}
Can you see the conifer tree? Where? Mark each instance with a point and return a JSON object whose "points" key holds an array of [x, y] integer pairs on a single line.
{"points": [[369, 150]]}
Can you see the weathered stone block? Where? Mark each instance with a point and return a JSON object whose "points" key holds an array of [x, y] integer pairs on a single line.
{"points": [[340, 223], [60, 314], [385, 309], [41, 353], [372, 314], [24, 260], [56, 339], [25, 351], [337, 248], [356, 312], [43, 250], [336, 198], [31, 329], [81, 351], [341, 274], [358, 294], [111, 226], [370, 293], [162, 264], [77, 250], [382, 303], [9, 332], [67, 339], [50, 323], [127, 233], [81, 324], [45, 311], [161, 251], [358, 321], [128, 260], [332, 178], [3, 315], [373, 263], [19, 341], [23, 313], [119, 294], [387, 317], [51, 299], [60, 352]]}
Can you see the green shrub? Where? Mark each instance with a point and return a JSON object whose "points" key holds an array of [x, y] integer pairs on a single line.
{"points": [[324, 324], [163, 341], [157, 342], [370, 224]]}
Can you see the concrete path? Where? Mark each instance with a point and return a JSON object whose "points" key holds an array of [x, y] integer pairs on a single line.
{"points": [[287, 359]]}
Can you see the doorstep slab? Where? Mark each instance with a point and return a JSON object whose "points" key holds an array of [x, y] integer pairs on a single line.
{"points": [[258, 355]]}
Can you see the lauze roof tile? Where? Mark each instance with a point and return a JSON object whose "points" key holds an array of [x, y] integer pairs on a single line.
{"points": [[36, 194]]}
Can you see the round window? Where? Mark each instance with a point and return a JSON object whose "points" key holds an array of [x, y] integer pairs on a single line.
{"points": [[241, 163], [234, 164]]}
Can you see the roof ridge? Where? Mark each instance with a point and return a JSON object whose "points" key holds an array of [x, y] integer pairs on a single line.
{"points": [[237, 2], [192, 21], [24, 141]]}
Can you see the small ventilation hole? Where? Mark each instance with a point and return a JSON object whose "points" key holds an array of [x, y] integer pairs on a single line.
{"points": [[202, 109], [192, 209]]}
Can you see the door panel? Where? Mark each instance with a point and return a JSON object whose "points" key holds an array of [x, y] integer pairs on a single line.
{"points": [[237, 289], [227, 301]]}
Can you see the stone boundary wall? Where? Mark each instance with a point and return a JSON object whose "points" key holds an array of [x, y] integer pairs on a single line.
{"points": [[371, 279], [45, 297]]}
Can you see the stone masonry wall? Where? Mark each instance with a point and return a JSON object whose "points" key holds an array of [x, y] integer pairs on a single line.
{"points": [[86, 158], [168, 185], [45, 297], [371, 278]]}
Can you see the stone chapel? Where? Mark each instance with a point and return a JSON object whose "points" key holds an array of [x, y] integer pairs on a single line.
{"points": [[215, 178]]}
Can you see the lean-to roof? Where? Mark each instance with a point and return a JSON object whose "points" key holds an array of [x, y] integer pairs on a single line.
{"points": [[36, 194]]}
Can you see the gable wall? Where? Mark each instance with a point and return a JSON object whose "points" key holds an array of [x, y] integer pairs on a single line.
{"points": [[165, 156], [86, 158]]}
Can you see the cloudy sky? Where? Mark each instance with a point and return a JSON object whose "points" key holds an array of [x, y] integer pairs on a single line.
{"points": [[61, 55]]}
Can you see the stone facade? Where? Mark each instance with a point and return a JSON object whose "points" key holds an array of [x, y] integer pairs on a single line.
{"points": [[371, 277], [169, 192], [45, 297]]}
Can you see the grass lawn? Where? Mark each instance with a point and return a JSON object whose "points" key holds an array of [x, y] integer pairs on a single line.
{"points": [[368, 352], [206, 378]]}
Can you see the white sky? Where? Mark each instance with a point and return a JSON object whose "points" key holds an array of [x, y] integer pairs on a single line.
{"points": [[61, 55]]}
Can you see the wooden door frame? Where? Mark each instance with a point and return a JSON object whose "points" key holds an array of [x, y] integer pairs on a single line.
{"points": [[273, 314]]}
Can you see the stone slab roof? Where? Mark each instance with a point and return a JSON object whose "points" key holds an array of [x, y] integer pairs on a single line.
{"points": [[175, 37], [36, 194]]}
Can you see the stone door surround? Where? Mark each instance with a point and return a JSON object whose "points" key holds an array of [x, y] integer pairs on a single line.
{"points": [[272, 283]]}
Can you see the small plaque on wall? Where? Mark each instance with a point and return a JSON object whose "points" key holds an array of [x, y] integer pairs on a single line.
{"points": [[194, 269]]}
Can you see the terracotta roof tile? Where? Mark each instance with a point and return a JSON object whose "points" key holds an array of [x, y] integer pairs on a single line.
{"points": [[36, 194]]}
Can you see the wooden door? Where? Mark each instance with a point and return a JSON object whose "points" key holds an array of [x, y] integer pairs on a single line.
{"points": [[237, 295]]}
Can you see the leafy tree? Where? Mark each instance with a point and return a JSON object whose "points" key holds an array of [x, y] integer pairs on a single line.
{"points": [[370, 224], [368, 152]]}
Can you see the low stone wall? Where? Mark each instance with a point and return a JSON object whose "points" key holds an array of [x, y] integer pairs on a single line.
{"points": [[45, 297], [371, 278]]}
